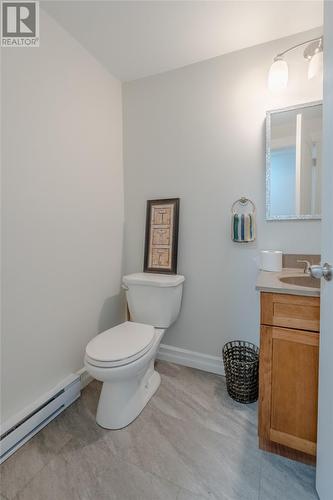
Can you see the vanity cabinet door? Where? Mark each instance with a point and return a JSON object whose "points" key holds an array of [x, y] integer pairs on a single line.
{"points": [[289, 387]]}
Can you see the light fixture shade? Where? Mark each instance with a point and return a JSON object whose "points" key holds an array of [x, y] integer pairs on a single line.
{"points": [[278, 75], [316, 65]]}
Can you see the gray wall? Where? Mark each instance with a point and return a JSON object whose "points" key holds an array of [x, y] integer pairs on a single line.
{"points": [[62, 211], [198, 133]]}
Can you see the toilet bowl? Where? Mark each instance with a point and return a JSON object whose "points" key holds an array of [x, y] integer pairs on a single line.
{"points": [[123, 356]]}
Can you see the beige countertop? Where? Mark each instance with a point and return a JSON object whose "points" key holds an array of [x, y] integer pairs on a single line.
{"points": [[270, 282]]}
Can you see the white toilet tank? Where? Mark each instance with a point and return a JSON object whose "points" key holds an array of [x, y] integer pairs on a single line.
{"points": [[154, 299]]}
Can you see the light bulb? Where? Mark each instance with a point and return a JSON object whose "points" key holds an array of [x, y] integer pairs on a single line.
{"points": [[278, 75], [316, 65]]}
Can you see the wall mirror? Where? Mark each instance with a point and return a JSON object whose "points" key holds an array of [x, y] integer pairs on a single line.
{"points": [[293, 162]]}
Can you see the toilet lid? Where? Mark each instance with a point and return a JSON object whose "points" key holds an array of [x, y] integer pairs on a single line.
{"points": [[121, 342]]}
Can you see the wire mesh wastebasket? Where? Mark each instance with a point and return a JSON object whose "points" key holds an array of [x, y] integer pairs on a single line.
{"points": [[241, 365]]}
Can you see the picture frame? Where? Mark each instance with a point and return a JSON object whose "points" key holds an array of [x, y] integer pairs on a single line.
{"points": [[161, 238]]}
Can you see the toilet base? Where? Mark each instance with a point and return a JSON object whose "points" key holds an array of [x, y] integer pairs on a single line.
{"points": [[121, 402]]}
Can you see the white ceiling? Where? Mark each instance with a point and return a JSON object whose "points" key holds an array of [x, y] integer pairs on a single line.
{"points": [[141, 38]]}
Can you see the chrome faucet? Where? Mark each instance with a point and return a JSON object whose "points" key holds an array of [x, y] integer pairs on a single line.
{"points": [[307, 265]]}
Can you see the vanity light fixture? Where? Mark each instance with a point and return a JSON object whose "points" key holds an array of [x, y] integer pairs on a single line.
{"points": [[278, 73]]}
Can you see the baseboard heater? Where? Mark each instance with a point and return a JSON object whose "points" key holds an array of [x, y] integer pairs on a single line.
{"points": [[14, 435]]}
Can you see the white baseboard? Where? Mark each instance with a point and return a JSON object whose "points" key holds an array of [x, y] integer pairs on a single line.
{"points": [[193, 359], [85, 378]]}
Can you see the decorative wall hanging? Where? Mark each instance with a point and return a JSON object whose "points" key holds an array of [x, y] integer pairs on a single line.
{"points": [[161, 246], [243, 223]]}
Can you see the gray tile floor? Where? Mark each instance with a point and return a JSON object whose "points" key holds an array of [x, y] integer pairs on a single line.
{"points": [[191, 442]]}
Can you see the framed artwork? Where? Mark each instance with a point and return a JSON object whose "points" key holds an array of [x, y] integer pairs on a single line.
{"points": [[161, 245]]}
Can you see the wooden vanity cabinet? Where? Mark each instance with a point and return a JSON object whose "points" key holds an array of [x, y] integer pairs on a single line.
{"points": [[288, 375]]}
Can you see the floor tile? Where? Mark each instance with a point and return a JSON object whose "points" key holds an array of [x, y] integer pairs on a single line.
{"points": [[188, 495], [22, 466], [190, 455], [125, 481], [193, 395], [191, 442], [86, 461], [286, 479], [53, 482]]}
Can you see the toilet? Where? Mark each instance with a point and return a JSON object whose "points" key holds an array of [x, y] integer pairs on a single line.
{"points": [[123, 356]]}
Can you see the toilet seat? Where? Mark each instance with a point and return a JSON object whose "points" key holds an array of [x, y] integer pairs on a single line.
{"points": [[120, 345]]}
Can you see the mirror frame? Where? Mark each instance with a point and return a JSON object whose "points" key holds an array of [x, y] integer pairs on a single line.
{"points": [[268, 163]]}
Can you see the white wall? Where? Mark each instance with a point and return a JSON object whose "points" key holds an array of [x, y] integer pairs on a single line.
{"points": [[62, 211], [199, 133]]}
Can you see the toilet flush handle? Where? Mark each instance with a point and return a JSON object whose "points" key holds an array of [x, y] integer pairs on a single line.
{"points": [[124, 287]]}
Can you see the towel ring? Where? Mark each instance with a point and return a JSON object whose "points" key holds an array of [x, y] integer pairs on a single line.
{"points": [[243, 201]]}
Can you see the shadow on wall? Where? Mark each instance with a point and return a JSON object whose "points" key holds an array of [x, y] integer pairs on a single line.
{"points": [[112, 312]]}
